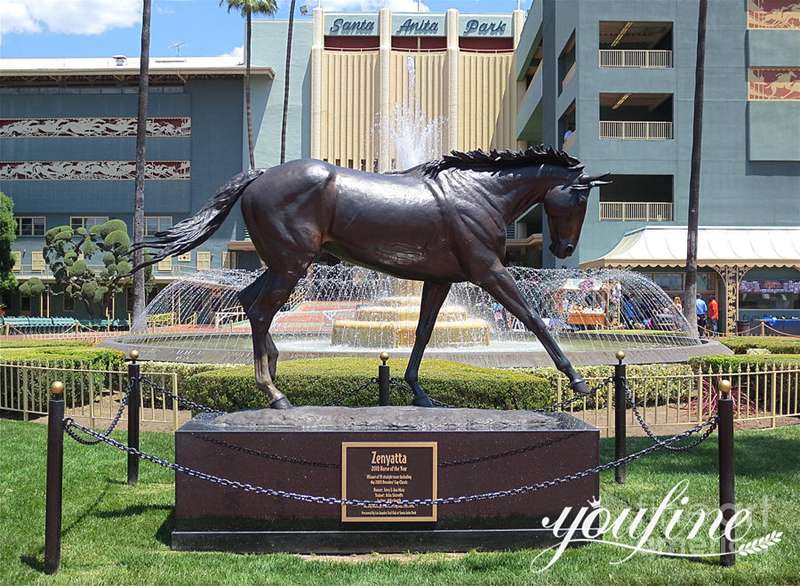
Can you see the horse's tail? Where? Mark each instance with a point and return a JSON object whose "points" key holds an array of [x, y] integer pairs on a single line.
{"points": [[193, 231]]}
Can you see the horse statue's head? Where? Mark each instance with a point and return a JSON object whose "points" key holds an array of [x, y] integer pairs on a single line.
{"points": [[565, 206]]}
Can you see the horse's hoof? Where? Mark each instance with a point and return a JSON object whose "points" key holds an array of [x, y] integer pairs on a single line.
{"points": [[280, 403], [581, 387], [422, 401]]}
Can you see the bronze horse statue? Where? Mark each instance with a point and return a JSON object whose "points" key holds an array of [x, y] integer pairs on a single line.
{"points": [[442, 222]]}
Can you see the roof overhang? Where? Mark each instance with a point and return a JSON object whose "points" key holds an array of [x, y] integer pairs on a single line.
{"points": [[100, 67], [750, 246]]}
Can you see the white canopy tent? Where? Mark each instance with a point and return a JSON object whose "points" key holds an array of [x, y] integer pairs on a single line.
{"points": [[730, 251]]}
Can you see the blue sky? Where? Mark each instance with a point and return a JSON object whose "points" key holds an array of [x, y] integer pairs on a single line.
{"points": [[101, 28]]}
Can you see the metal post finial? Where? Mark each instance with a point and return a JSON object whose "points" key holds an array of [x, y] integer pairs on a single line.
{"points": [[384, 356], [725, 388], [620, 355], [134, 355], [57, 387]]}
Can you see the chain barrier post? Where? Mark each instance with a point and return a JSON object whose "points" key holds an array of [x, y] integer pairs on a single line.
{"points": [[55, 475], [133, 416], [727, 488], [384, 381], [620, 423]]}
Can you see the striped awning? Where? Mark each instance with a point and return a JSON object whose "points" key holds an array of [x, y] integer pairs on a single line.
{"points": [[752, 246]]}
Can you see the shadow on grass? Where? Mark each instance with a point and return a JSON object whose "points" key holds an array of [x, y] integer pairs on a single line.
{"points": [[35, 560], [750, 449]]}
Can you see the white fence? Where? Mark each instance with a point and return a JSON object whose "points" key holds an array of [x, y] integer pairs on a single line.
{"points": [[635, 130], [765, 393], [90, 393], [644, 58], [636, 211]]}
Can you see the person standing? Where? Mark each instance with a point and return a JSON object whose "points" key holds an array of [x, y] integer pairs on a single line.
{"points": [[701, 309], [713, 314]]}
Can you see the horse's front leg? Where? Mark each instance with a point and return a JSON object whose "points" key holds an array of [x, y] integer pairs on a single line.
{"points": [[500, 285], [433, 296]]}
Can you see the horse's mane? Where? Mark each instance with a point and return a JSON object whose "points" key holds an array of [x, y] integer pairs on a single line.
{"points": [[493, 160]]}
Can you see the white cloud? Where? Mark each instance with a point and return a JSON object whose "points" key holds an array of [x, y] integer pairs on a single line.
{"points": [[237, 52], [373, 5], [74, 17]]}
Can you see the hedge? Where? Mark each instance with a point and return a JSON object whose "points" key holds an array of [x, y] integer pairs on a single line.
{"points": [[733, 363], [23, 342], [323, 381], [775, 344], [65, 356]]}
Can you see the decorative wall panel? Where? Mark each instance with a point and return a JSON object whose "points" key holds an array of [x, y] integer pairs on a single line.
{"points": [[780, 14], [90, 170], [91, 127], [773, 83]]}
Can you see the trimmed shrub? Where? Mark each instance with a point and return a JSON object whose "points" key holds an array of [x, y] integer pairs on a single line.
{"points": [[737, 361], [323, 381], [23, 342], [775, 344]]}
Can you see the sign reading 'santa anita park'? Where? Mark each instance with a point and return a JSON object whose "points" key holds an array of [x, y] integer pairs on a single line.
{"points": [[418, 25]]}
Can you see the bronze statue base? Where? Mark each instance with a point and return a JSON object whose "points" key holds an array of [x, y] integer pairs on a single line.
{"points": [[400, 452]]}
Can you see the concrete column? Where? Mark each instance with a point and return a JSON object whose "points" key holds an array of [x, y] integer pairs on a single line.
{"points": [[517, 22], [317, 45], [384, 81], [451, 142]]}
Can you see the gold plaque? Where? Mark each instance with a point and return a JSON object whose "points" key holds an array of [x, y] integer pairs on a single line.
{"points": [[389, 472]]}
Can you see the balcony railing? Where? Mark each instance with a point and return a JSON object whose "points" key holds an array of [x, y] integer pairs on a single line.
{"points": [[636, 211], [644, 58], [635, 130]]}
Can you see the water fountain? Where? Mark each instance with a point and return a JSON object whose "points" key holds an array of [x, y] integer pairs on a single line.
{"points": [[592, 315]]}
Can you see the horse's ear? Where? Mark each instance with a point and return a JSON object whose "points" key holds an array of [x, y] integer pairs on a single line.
{"points": [[596, 180]]}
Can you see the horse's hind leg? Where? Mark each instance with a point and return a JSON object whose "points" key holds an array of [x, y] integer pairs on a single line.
{"points": [[262, 300], [433, 296], [500, 285]]}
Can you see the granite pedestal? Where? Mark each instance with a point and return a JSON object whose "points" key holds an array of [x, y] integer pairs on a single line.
{"points": [[445, 452]]}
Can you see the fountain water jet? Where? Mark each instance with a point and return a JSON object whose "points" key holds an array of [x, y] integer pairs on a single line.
{"points": [[592, 314]]}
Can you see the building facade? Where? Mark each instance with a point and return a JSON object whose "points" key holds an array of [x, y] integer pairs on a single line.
{"points": [[612, 82], [67, 151]]}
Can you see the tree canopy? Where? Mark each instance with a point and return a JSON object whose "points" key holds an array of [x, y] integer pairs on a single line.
{"points": [[69, 254], [8, 233]]}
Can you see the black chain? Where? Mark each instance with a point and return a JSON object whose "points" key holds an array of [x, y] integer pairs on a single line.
{"points": [[266, 455], [114, 421], [343, 396], [182, 401], [330, 500], [649, 431]]}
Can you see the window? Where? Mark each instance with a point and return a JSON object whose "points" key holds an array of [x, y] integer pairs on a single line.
{"points": [[24, 304], [31, 225], [153, 224], [87, 222], [203, 261]]}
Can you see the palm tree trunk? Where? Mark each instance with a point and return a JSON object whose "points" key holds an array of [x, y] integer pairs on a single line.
{"points": [[141, 133], [286, 81], [248, 107], [694, 178]]}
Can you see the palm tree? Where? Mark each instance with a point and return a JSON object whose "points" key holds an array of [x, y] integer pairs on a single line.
{"points": [[141, 132], [248, 8], [694, 177], [286, 81]]}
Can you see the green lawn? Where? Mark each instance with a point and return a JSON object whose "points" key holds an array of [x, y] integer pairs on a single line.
{"points": [[115, 534]]}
